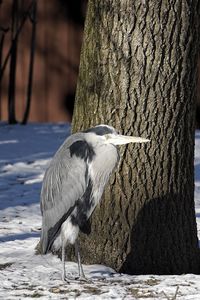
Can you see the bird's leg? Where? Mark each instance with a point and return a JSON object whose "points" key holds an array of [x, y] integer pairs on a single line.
{"points": [[63, 262], [80, 268]]}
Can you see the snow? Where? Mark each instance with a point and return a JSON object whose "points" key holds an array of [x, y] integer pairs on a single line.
{"points": [[25, 152]]}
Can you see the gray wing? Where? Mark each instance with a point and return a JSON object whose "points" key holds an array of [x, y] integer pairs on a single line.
{"points": [[64, 183]]}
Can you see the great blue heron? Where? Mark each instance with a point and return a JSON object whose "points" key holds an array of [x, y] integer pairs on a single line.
{"points": [[73, 185]]}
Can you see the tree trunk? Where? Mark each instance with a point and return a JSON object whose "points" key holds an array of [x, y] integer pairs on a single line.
{"points": [[138, 73], [31, 63]]}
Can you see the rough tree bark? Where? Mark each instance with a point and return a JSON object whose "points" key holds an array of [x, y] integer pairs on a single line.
{"points": [[138, 73]]}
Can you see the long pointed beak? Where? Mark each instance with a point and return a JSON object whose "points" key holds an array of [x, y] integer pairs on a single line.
{"points": [[125, 139]]}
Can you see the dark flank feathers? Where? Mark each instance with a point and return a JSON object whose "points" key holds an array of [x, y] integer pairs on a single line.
{"points": [[83, 207]]}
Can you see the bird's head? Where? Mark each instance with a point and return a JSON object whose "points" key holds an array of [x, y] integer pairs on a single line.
{"points": [[109, 135]]}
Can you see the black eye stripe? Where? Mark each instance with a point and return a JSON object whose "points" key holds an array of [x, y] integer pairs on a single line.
{"points": [[100, 130]]}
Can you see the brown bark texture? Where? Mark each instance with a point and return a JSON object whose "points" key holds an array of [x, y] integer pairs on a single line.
{"points": [[138, 73]]}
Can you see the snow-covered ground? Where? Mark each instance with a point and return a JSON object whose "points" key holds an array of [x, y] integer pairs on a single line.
{"points": [[24, 154]]}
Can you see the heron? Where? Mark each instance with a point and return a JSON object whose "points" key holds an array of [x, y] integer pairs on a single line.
{"points": [[73, 185]]}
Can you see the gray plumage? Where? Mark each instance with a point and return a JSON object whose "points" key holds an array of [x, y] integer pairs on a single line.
{"points": [[73, 185]]}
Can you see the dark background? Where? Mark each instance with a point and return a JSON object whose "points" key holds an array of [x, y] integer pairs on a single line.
{"points": [[59, 33]]}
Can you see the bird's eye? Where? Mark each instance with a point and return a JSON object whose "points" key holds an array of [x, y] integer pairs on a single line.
{"points": [[107, 136]]}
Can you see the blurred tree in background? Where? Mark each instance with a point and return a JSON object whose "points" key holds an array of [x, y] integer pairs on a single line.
{"points": [[53, 50], [18, 18]]}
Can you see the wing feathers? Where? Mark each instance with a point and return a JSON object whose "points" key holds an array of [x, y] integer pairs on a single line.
{"points": [[65, 182]]}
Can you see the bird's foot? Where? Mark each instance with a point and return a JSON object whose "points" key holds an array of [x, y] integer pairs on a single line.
{"points": [[66, 280], [83, 279], [70, 278]]}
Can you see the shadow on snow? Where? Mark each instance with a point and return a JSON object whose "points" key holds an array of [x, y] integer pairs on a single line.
{"points": [[19, 236]]}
